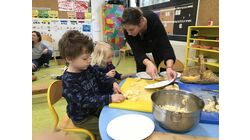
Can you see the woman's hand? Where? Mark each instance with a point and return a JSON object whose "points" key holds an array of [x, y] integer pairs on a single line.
{"points": [[116, 88], [45, 51], [171, 73], [111, 73], [151, 70]]}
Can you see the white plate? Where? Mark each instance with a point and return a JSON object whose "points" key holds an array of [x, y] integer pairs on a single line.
{"points": [[143, 75], [163, 73], [130, 127], [159, 84]]}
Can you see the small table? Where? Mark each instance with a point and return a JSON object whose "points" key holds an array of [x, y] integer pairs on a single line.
{"points": [[202, 129]]}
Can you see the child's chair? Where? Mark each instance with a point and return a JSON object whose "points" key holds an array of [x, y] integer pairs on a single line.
{"points": [[54, 94], [123, 50], [178, 66], [50, 40]]}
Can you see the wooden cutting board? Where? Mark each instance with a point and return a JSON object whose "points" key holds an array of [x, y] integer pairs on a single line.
{"points": [[140, 98], [171, 136]]}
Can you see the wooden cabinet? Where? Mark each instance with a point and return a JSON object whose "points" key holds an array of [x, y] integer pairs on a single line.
{"points": [[203, 40]]}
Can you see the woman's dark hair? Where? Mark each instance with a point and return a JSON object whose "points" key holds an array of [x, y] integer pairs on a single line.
{"points": [[131, 16], [38, 35], [73, 43]]}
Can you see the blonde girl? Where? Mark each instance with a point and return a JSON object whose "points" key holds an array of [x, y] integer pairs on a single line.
{"points": [[102, 61]]}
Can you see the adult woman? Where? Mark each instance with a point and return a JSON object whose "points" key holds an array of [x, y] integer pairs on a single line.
{"points": [[145, 33], [41, 52]]}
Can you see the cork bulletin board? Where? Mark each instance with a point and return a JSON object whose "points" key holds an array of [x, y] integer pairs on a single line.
{"points": [[208, 9], [50, 5]]}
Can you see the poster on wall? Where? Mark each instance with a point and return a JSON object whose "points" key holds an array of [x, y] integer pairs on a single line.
{"points": [[176, 19], [71, 15], [86, 27], [53, 14], [43, 14], [66, 5], [57, 27], [112, 25], [87, 15], [167, 19], [79, 15], [183, 18], [81, 6]]}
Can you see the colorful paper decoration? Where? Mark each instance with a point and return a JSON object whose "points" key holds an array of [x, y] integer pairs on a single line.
{"points": [[112, 25], [66, 5], [34, 14], [81, 6], [86, 27], [53, 14], [43, 14], [71, 15], [45, 21], [64, 22], [79, 15], [87, 15], [109, 21]]}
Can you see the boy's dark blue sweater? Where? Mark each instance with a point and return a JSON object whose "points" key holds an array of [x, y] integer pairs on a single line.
{"points": [[82, 92]]}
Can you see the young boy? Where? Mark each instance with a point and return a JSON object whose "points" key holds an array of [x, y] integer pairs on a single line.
{"points": [[81, 82]]}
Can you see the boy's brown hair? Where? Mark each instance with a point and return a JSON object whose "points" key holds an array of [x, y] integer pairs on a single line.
{"points": [[73, 43]]}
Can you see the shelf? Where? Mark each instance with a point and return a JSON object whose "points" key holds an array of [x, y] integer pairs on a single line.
{"points": [[207, 50], [205, 36], [196, 27], [207, 63], [207, 40]]}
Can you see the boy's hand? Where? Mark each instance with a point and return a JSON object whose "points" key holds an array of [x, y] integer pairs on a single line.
{"points": [[116, 98], [111, 73], [116, 88]]}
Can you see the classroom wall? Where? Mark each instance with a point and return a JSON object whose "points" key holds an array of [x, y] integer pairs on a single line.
{"points": [[208, 9], [96, 8], [179, 49], [56, 27]]}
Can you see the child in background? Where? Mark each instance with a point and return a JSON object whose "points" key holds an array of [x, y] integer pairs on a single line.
{"points": [[102, 60], [81, 82]]}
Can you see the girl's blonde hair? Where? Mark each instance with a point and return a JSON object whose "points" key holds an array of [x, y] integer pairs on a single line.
{"points": [[99, 56]]}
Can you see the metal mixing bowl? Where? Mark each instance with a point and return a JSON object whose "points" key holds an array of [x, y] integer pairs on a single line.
{"points": [[176, 121]]}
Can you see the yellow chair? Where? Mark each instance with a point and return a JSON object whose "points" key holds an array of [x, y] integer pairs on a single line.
{"points": [[123, 50], [54, 94], [50, 40], [178, 66]]}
